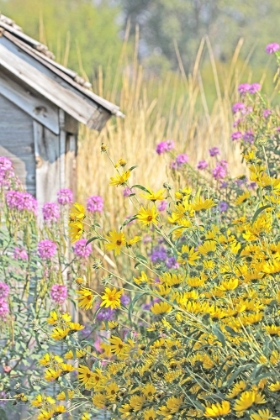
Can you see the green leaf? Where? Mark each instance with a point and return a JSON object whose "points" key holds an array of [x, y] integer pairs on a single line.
{"points": [[132, 167], [141, 188], [237, 373], [128, 221], [132, 303], [260, 210], [93, 239], [218, 333]]}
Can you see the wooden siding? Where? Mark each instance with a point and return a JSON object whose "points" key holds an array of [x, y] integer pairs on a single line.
{"points": [[16, 142]]}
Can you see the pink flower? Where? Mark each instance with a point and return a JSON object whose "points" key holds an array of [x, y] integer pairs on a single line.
{"points": [[267, 113], [272, 48], [165, 146], [95, 204], [219, 172], [50, 212], [244, 88], [127, 192], [4, 309], [65, 196], [5, 164], [239, 106], [4, 290], [255, 87], [81, 249], [162, 205], [46, 249], [21, 201], [236, 135], [59, 293], [214, 151], [202, 164], [20, 254]]}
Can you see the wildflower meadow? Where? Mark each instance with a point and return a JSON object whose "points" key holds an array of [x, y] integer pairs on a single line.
{"points": [[175, 313]]}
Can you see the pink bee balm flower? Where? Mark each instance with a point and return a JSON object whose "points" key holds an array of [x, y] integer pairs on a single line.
{"points": [[20, 254], [255, 87], [59, 293], [5, 164], [4, 290], [95, 204], [202, 164], [239, 106], [65, 196], [236, 135], [214, 151], [165, 146], [46, 249], [219, 172], [244, 88], [272, 48], [50, 212], [162, 205], [81, 249], [4, 309]]}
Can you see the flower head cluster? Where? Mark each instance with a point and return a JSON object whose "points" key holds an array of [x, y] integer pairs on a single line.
{"points": [[272, 48], [59, 293], [4, 306], [50, 212], [20, 254], [46, 249], [247, 88], [165, 146], [81, 249], [95, 204], [6, 171], [65, 196], [21, 201]]}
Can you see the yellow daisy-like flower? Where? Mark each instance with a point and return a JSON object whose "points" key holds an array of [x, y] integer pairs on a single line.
{"points": [[201, 204], [247, 399], [52, 374], [188, 255], [161, 308], [136, 402], [75, 326], [75, 231], [99, 400], [85, 299], [48, 358], [154, 196], [217, 410], [70, 355], [111, 298], [118, 347], [148, 216], [237, 388], [116, 240], [53, 318], [121, 162], [85, 374], [133, 240], [60, 333], [274, 387], [85, 416], [58, 409], [40, 399], [45, 415], [77, 213], [111, 391], [120, 179], [262, 415], [150, 414], [63, 396], [149, 391], [242, 198]]}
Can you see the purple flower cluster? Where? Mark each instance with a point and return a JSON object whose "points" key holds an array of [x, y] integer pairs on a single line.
{"points": [[180, 161], [21, 201], [272, 48], [172, 263], [125, 300], [50, 212], [46, 249], [6, 171], [223, 206], [238, 107], [105, 314], [162, 205], [65, 196], [59, 293], [95, 204], [165, 146], [267, 113], [4, 307], [247, 88], [248, 136], [20, 254], [127, 192], [81, 249], [158, 254], [202, 164], [214, 151], [220, 171]]}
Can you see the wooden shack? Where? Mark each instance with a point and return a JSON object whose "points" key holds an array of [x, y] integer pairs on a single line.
{"points": [[41, 106]]}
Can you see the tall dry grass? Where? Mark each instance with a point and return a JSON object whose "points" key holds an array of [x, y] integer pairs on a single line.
{"points": [[173, 107]]}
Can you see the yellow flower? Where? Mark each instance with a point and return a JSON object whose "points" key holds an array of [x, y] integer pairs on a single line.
{"points": [[229, 284], [60, 333], [48, 358], [40, 399], [274, 387], [53, 318], [120, 179], [70, 355], [85, 299], [161, 308], [133, 240], [85, 375], [77, 213], [75, 231], [59, 409], [237, 388], [247, 399], [52, 374], [188, 255], [149, 414], [242, 198], [75, 326], [217, 410], [208, 246], [154, 196], [65, 367], [85, 416], [148, 216], [45, 415], [111, 391], [121, 162], [62, 396], [262, 415], [99, 400], [136, 402], [111, 298], [118, 346], [116, 240], [201, 204], [149, 391]]}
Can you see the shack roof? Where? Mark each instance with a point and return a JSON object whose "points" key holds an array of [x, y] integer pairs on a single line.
{"points": [[32, 64]]}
